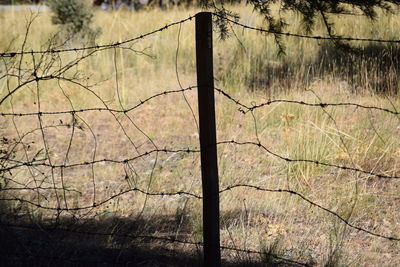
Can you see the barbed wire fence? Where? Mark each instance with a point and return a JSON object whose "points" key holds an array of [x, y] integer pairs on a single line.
{"points": [[36, 176]]}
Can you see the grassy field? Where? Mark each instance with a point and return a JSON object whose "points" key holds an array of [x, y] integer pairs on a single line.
{"points": [[247, 66]]}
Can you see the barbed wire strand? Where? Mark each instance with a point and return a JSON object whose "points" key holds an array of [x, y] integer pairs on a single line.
{"points": [[296, 35], [75, 111], [189, 194], [158, 238], [391, 238], [316, 162], [248, 108], [96, 47]]}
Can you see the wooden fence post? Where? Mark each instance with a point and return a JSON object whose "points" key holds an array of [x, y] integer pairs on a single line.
{"points": [[208, 146]]}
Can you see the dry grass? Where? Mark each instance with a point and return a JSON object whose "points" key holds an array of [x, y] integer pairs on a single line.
{"points": [[248, 68]]}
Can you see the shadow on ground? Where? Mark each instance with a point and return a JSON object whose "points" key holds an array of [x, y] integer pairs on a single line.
{"points": [[103, 242], [373, 67]]}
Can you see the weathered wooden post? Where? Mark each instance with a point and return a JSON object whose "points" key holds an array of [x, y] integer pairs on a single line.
{"points": [[208, 146]]}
